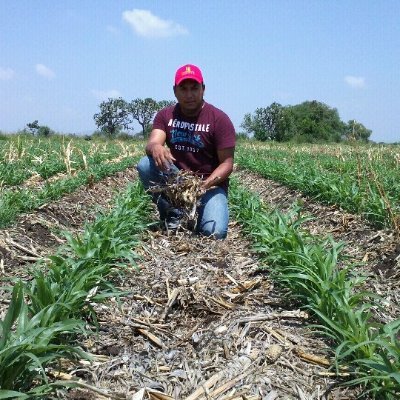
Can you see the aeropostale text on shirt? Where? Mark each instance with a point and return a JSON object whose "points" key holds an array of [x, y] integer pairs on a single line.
{"points": [[176, 123]]}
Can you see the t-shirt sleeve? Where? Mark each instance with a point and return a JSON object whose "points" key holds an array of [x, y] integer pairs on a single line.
{"points": [[225, 135], [159, 121]]}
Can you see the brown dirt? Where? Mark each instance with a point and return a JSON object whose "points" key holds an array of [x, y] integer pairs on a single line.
{"points": [[39, 233], [200, 310]]}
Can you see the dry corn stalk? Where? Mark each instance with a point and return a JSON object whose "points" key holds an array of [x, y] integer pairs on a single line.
{"points": [[67, 153], [85, 164], [183, 191]]}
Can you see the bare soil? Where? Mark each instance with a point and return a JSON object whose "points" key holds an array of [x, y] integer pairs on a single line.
{"points": [[201, 320]]}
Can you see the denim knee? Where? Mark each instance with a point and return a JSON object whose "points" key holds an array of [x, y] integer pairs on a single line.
{"points": [[210, 229], [148, 172], [217, 235], [214, 214], [144, 166]]}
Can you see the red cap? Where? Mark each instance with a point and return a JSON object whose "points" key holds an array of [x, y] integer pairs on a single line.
{"points": [[188, 71]]}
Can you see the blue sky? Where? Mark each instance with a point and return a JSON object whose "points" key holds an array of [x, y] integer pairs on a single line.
{"points": [[60, 59]]}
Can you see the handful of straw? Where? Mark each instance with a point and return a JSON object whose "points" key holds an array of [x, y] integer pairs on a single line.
{"points": [[182, 190]]}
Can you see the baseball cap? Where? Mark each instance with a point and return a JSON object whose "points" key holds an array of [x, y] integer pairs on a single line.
{"points": [[188, 71]]}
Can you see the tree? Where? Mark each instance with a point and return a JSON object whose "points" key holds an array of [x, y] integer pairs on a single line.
{"points": [[274, 122], [39, 130], [44, 131], [261, 124], [113, 116], [165, 103], [357, 131], [310, 121], [247, 124], [286, 127], [33, 126], [258, 124], [316, 122], [143, 110]]}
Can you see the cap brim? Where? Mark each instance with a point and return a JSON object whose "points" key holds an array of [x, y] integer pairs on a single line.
{"points": [[188, 78]]}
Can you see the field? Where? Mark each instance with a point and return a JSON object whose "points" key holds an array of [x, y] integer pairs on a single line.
{"points": [[301, 301]]}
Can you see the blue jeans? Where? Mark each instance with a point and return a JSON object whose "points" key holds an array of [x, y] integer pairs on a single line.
{"points": [[213, 213]]}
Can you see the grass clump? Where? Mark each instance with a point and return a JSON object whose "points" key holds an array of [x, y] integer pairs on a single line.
{"points": [[14, 202], [46, 314], [361, 179], [308, 267], [27, 345]]}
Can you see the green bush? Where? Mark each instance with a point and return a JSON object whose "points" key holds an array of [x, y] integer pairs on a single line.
{"points": [[44, 130]]}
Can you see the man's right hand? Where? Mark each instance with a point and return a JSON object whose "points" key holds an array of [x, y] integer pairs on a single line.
{"points": [[162, 156]]}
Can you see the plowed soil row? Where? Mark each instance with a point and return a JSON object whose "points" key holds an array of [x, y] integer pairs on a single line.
{"points": [[201, 320]]}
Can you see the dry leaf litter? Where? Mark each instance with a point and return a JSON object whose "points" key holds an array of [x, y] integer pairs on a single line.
{"points": [[200, 320]]}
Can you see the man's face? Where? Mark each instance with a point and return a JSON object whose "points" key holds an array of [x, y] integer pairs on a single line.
{"points": [[189, 94]]}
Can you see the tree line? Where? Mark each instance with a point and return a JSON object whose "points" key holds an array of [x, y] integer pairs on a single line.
{"points": [[310, 121], [34, 128], [118, 114]]}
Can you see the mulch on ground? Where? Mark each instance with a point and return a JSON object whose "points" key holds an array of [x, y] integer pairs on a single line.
{"points": [[200, 320]]}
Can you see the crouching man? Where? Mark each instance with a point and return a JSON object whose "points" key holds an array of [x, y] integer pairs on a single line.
{"points": [[192, 135]]}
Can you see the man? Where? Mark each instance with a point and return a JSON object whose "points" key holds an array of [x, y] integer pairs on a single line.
{"points": [[199, 138]]}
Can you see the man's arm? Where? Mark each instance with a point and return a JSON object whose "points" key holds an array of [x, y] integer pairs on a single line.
{"points": [[224, 169], [155, 148]]}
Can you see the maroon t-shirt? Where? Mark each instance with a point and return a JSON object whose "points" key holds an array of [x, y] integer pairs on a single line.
{"points": [[194, 141]]}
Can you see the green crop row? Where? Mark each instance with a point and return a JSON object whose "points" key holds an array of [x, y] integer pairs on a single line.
{"points": [[308, 268], [46, 314], [14, 202], [363, 181], [23, 157]]}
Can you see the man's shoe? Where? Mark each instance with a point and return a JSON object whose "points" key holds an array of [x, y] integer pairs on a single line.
{"points": [[172, 223], [173, 220]]}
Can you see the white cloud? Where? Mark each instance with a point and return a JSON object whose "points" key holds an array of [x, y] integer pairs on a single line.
{"points": [[6, 74], [44, 71], [106, 94], [144, 23], [355, 81]]}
